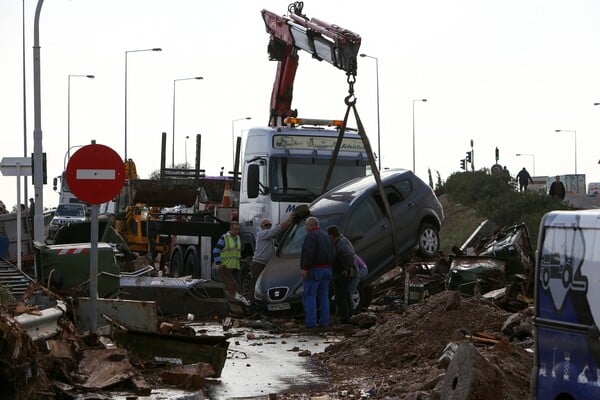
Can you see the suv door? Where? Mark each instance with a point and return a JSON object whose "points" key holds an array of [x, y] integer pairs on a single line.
{"points": [[404, 211], [369, 231]]}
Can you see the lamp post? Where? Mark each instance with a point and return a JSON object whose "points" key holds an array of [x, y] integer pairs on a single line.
{"points": [[173, 144], [185, 149], [69, 109], [233, 137], [413, 130], [378, 125], [126, 53], [575, 150], [530, 155]]}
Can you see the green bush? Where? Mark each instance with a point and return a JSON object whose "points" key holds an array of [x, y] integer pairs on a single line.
{"points": [[495, 196]]}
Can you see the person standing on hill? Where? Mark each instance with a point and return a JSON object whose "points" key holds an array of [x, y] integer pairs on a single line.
{"points": [[524, 179], [557, 189]]}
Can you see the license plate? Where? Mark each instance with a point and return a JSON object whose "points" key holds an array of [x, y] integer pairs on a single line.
{"points": [[279, 307]]}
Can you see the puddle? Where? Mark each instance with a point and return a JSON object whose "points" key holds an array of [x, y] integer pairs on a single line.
{"points": [[255, 367], [268, 364]]}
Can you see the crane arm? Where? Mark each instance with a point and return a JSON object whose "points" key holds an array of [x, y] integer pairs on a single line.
{"points": [[324, 41]]}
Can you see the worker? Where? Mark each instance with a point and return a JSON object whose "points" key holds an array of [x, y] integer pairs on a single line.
{"points": [[316, 261], [227, 255], [345, 270], [265, 248]]}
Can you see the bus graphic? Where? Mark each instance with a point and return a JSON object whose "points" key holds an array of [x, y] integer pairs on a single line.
{"points": [[559, 269]]}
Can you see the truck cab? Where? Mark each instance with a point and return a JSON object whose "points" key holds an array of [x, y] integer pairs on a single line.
{"points": [[286, 166]]}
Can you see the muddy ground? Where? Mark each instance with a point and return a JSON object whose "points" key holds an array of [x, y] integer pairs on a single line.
{"points": [[398, 357]]}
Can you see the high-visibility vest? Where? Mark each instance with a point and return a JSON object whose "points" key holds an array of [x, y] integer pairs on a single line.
{"points": [[231, 253]]}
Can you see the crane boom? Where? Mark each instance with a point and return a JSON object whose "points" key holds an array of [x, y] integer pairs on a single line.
{"points": [[324, 41]]}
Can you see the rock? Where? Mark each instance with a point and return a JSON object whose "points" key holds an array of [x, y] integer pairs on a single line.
{"points": [[470, 376]]}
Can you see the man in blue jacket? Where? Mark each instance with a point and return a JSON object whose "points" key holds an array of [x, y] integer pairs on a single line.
{"points": [[316, 261]]}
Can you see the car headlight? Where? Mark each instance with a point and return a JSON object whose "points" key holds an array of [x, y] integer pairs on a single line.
{"points": [[258, 293]]}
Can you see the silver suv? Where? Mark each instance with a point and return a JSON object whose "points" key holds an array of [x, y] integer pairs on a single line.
{"points": [[357, 209], [67, 214]]}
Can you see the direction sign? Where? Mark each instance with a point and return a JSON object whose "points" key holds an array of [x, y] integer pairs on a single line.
{"points": [[8, 166], [95, 174]]}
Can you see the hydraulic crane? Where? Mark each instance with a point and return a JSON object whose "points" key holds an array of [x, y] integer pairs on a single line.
{"points": [[324, 41]]}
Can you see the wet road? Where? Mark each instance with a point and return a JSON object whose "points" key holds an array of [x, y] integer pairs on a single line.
{"points": [[260, 363]]}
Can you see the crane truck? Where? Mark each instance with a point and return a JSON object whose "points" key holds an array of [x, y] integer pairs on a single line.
{"points": [[283, 164]]}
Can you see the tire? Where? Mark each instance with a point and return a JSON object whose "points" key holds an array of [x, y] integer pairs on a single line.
{"points": [[428, 240], [190, 265], [176, 266]]}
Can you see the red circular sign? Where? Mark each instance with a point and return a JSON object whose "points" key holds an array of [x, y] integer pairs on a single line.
{"points": [[95, 174]]}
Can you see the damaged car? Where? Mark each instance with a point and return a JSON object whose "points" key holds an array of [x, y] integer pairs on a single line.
{"points": [[356, 207]]}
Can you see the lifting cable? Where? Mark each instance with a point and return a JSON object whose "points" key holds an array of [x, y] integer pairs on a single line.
{"points": [[350, 101]]}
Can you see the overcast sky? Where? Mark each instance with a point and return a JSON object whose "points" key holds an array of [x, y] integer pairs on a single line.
{"points": [[504, 74]]}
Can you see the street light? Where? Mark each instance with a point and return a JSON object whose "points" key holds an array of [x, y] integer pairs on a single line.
{"points": [[126, 53], [531, 155], [413, 129], [185, 149], [575, 148], [69, 109], [378, 125], [233, 137], [173, 144]]}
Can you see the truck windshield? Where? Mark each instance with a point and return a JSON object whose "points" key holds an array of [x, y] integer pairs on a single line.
{"points": [[301, 179]]}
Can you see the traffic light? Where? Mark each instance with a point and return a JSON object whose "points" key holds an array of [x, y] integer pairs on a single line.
{"points": [[468, 156], [463, 165]]}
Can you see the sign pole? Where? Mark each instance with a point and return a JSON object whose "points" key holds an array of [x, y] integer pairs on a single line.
{"points": [[94, 269], [19, 261], [95, 174]]}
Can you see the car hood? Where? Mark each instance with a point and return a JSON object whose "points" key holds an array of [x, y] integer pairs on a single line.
{"points": [[280, 273]]}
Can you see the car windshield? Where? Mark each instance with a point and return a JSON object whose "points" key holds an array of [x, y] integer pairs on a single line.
{"points": [[291, 245], [70, 211]]}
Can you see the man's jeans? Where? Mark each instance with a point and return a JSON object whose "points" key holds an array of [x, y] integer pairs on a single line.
{"points": [[316, 292]]}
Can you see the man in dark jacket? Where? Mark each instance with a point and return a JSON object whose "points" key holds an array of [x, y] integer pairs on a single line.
{"points": [[344, 271], [557, 189], [524, 178], [316, 261]]}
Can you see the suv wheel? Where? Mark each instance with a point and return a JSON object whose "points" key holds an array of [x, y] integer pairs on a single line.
{"points": [[428, 241]]}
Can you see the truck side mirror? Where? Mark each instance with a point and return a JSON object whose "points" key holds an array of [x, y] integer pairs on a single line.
{"points": [[252, 181], [54, 183]]}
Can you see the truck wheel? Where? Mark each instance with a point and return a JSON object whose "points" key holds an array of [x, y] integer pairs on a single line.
{"points": [[190, 267], [176, 266]]}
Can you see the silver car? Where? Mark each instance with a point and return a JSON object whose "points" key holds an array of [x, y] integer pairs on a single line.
{"points": [[357, 209]]}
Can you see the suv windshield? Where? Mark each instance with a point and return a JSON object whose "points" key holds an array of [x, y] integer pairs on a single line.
{"points": [[291, 245], [64, 210]]}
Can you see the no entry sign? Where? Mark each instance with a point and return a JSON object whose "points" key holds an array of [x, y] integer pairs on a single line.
{"points": [[95, 174]]}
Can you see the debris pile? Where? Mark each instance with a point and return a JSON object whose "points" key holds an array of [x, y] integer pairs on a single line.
{"points": [[402, 354]]}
